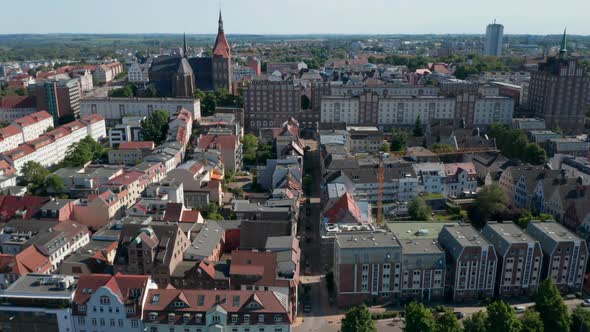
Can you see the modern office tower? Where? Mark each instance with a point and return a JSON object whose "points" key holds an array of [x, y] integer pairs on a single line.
{"points": [[494, 36]]}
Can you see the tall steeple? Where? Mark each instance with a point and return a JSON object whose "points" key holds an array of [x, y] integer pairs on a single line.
{"points": [[220, 23], [184, 49], [563, 48]]}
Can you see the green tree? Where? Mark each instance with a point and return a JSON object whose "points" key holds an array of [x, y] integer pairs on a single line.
{"points": [[441, 147], [419, 210], [419, 318], [33, 176], [155, 127], [250, 147], [82, 152], [550, 305], [531, 321], [418, 132], [502, 318], [386, 147], [535, 154], [54, 184], [476, 323], [127, 90], [580, 320], [398, 141], [490, 200], [448, 322], [358, 319]]}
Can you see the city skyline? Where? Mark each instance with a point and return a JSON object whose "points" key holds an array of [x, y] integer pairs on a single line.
{"points": [[325, 17]]}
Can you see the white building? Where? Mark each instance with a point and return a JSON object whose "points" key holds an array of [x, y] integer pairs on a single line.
{"points": [[432, 177], [34, 125], [405, 110], [109, 303], [114, 109], [461, 179], [37, 302], [136, 73], [493, 109], [86, 80], [49, 149]]}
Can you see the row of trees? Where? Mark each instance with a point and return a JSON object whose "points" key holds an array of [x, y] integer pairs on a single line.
{"points": [[549, 314], [514, 144]]}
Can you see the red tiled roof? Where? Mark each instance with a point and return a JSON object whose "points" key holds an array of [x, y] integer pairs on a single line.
{"points": [[261, 264], [9, 205], [217, 142], [346, 204], [269, 303], [41, 115], [144, 145], [40, 142], [18, 102], [452, 169], [9, 131], [30, 260], [126, 178], [58, 133], [93, 118], [121, 285], [191, 216], [221, 47]]}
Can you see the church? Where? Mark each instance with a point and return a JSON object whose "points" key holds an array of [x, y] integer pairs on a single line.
{"points": [[179, 76]]}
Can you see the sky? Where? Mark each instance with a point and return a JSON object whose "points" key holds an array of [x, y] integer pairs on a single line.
{"points": [[294, 16]]}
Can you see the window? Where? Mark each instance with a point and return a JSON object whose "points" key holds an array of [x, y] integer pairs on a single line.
{"points": [[134, 323], [215, 319], [102, 322], [153, 316], [236, 301], [81, 321], [112, 322], [120, 323], [130, 310], [93, 321], [81, 308], [278, 318], [105, 300], [234, 319], [261, 318], [201, 300], [247, 319]]}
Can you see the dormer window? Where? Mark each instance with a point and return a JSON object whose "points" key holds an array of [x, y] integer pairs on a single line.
{"points": [[171, 318], [82, 308], [179, 304], [153, 316], [186, 318]]}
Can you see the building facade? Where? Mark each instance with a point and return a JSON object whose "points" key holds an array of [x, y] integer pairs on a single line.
{"points": [[494, 37], [268, 104]]}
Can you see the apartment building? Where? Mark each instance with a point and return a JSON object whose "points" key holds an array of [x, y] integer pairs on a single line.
{"points": [[367, 266], [270, 103], [130, 153], [365, 139], [110, 303], [472, 263], [371, 108], [564, 255], [229, 146], [216, 310], [114, 109], [14, 107], [520, 259], [60, 98], [155, 250], [107, 72], [521, 182], [461, 178], [50, 148], [423, 270], [432, 177], [24, 129], [136, 73]]}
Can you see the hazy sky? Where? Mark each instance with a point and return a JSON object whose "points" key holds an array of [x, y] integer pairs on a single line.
{"points": [[293, 16]]}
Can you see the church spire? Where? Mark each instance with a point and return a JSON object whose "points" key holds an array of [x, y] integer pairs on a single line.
{"points": [[563, 48], [220, 23], [184, 49]]}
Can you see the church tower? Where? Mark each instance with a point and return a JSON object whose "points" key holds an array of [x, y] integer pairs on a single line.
{"points": [[221, 61], [184, 80]]}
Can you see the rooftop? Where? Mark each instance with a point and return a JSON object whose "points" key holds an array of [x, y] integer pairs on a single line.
{"points": [[417, 230], [42, 286], [371, 240]]}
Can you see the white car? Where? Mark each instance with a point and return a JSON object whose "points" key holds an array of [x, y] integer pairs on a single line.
{"points": [[519, 310], [586, 303]]}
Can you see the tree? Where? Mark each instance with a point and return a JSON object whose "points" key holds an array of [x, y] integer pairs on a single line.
{"points": [[535, 154], [155, 127], [54, 184], [127, 90], [502, 318], [386, 147], [33, 176], [419, 318], [448, 322], [80, 153], [441, 147], [358, 319], [476, 323], [418, 132], [550, 305], [398, 141], [250, 147], [531, 321], [580, 320], [419, 210], [490, 200]]}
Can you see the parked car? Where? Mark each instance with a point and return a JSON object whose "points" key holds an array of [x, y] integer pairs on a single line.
{"points": [[519, 310], [586, 303]]}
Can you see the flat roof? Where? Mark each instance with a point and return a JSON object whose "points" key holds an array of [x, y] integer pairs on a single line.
{"points": [[42, 286], [368, 240], [418, 230], [420, 246]]}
